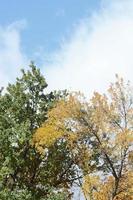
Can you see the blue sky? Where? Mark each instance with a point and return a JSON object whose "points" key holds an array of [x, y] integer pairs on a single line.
{"points": [[48, 21], [78, 44]]}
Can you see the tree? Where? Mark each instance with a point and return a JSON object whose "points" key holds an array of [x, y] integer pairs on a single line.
{"points": [[99, 136], [23, 108]]}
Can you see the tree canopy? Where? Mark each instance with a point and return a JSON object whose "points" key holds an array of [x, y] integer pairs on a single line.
{"points": [[99, 136], [23, 108], [52, 142]]}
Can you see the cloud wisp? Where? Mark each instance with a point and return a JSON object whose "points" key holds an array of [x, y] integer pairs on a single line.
{"points": [[12, 59], [99, 47]]}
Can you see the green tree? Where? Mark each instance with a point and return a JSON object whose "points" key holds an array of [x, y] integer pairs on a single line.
{"points": [[23, 108]]}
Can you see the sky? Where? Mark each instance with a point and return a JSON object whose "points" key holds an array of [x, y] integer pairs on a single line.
{"points": [[77, 44]]}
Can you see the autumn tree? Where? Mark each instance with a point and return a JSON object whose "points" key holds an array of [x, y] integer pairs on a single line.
{"points": [[99, 137]]}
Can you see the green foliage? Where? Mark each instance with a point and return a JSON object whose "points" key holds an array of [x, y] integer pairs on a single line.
{"points": [[59, 196], [25, 194], [15, 195], [23, 108]]}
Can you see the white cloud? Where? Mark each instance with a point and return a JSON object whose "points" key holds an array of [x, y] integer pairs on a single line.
{"points": [[99, 47], [11, 56]]}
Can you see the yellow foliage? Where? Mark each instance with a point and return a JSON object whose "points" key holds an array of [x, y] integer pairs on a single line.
{"points": [[90, 185], [104, 125], [60, 120], [46, 136]]}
